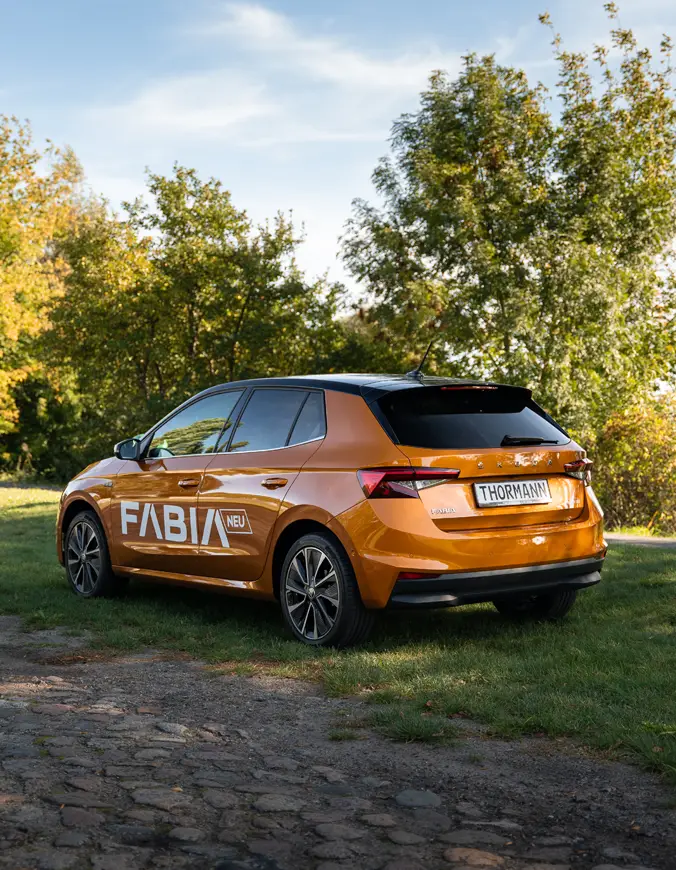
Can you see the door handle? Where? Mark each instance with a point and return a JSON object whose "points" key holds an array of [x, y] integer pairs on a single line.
{"points": [[274, 482], [189, 481]]}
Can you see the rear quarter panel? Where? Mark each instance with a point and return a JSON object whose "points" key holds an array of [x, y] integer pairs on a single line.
{"points": [[327, 484]]}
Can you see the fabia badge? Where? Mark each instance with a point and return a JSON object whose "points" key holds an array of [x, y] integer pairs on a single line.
{"points": [[171, 522], [446, 510]]}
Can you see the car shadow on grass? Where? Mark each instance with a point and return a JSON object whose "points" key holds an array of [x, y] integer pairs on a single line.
{"points": [[394, 628], [631, 595]]}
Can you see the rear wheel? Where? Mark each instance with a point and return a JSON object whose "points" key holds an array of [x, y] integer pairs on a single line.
{"points": [[87, 560], [552, 606], [320, 596]]}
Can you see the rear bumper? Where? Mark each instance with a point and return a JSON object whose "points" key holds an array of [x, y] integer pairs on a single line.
{"points": [[453, 590]]}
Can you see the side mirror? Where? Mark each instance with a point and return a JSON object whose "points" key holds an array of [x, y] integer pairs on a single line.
{"points": [[130, 448]]}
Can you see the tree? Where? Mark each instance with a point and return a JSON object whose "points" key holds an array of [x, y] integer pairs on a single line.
{"points": [[235, 302], [37, 195], [104, 329], [178, 294], [635, 466], [537, 250]]}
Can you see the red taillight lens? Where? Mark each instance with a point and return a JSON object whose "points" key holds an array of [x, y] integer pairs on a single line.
{"points": [[580, 469], [396, 482]]}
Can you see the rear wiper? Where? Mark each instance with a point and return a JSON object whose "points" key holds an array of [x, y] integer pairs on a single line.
{"points": [[509, 440]]}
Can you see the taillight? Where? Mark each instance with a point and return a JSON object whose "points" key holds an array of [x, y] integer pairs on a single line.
{"points": [[580, 469], [396, 482]]}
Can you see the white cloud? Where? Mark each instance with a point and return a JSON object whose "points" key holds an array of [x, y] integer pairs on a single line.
{"points": [[273, 35], [279, 86], [210, 103]]}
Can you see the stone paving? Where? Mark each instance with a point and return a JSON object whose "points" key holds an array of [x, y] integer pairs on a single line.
{"points": [[143, 762]]}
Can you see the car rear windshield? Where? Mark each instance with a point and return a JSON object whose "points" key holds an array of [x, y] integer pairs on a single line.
{"points": [[448, 418]]}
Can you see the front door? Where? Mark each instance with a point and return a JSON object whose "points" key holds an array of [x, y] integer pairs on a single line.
{"points": [[154, 501], [245, 485]]}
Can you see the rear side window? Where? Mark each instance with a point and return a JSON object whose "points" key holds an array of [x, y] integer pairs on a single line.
{"points": [[311, 422], [267, 420], [451, 418]]}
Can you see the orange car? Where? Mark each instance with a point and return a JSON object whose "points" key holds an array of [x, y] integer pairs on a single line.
{"points": [[342, 495]]}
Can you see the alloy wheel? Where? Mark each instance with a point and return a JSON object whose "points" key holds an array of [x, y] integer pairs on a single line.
{"points": [[312, 593], [84, 557]]}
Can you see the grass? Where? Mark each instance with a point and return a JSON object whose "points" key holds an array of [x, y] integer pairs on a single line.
{"points": [[339, 734], [638, 531], [409, 725], [604, 677]]}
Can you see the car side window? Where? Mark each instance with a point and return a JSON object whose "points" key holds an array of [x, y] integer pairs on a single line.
{"points": [[195, 429], [267, 420], [311, 422]]}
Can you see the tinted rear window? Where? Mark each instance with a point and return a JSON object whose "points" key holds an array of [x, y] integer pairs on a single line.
{"points": [[460, 419]]}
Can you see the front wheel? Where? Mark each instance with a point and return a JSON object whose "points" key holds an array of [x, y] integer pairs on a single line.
{"points": [[320, 596], [552, 606], [88, 566]]}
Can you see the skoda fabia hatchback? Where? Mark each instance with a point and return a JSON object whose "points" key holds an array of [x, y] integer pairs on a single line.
{"points": [[343, 495]]}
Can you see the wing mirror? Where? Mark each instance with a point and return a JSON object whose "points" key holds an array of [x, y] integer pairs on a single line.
{"points": [[130, 448]]}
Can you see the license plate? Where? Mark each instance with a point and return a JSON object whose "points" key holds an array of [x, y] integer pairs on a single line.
{"points": [[512, 493]]}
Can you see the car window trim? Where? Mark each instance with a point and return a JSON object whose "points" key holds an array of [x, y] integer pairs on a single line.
{"points": [[237, 411], [237, 453], [148, 437], [264, 449], [284, 446], [247, 398], [295, 419]]}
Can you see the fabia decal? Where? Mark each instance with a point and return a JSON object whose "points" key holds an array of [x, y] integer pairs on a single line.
{"points": [[170, 522], [236, 521]]}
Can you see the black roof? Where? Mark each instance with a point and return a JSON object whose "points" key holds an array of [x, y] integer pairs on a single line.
{"points": [[369, 386]]}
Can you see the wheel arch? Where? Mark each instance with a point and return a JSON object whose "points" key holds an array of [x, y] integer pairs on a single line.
{"points": [[291, 533], [74, 507]]}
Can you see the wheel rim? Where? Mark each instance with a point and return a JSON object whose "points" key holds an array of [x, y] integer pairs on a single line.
{"points": [[84, 557], [312, 593]]}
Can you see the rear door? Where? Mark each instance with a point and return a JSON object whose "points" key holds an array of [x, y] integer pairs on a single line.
{"points": [[509, 452], [154, 504], [246, 483]]}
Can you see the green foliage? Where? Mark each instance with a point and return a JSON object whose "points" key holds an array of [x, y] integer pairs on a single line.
{"points": [[538, 250], [178, 294], [407, 725], [51, 416], [635, 473], [37, 194]]}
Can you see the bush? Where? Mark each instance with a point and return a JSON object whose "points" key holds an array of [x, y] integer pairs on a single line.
{"points": [[635, 466]]}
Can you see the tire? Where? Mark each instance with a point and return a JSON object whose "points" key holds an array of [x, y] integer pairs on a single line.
{"points": [[334, 616], [552, 606], [91, 576]]}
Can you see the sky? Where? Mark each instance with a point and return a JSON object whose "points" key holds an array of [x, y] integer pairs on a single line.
{"points": [[289, 103]]}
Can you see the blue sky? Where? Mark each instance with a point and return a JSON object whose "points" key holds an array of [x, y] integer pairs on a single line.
{"points": [[288, 102]]}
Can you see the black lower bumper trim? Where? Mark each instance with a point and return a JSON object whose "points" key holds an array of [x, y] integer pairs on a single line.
{"points": [[454, 590]]}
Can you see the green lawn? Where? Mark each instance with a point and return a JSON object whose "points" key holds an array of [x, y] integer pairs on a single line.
{"points": [[606, 677]]}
